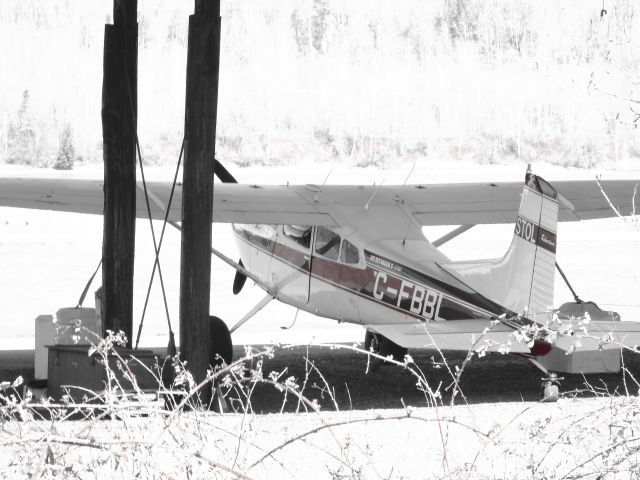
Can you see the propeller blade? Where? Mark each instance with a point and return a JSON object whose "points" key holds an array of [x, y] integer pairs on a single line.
{"points": [[225, 177], [222, 173], [239, 280]]}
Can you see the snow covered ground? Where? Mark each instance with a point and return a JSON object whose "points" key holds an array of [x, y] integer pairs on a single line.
{"points": [[46, 257], [571, 439]]}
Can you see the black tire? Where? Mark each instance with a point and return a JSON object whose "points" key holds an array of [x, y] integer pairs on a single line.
{"points": [[372, 342], [550, 392], [381, 345], [221, 344], [393, 349]]}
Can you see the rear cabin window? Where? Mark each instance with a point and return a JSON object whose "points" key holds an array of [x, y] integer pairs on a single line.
{"points": [[327, 243], [349, 253]]}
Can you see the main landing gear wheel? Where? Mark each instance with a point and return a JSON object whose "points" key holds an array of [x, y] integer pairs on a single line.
{"points": [[551, 388], [221, 344], [381, 345], [221, 354]]}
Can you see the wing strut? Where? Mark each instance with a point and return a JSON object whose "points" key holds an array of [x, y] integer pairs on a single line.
{"points": [[451, 235], [566, 280], [231, 263], [259, 306], [240, 268]]}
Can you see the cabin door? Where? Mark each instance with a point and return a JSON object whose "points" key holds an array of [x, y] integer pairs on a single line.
{"points": [[291, 264]]}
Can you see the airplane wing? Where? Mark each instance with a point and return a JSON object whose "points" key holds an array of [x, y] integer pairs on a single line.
{"points": [[479, 203], [434, 204], [234, 203]]}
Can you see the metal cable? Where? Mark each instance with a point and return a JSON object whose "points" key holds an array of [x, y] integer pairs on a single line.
{"points": [[86, 288], [566, 280], [146, 195], [164, 226]]}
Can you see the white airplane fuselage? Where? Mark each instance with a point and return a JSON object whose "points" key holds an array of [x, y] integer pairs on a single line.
{"points": [[337, 273]]}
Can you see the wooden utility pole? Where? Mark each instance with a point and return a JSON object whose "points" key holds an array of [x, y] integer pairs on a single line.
{"points": [[119, 113], [203, 61]]}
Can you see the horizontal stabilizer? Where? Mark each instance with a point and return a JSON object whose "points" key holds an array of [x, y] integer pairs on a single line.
{"points": [[594, 347], [598, 335], [579, 348], [461, 335]]}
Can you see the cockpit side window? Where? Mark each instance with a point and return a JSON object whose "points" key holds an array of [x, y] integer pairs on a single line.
{"points": [[327, 243], [349, 253], [300, 234]]}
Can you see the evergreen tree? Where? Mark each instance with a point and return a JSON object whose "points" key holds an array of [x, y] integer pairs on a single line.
{"points": [[21, 137], [66, 153]]}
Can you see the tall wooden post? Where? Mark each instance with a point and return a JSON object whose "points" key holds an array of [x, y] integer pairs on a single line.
{"points": [[203, 61], [119, 113]]}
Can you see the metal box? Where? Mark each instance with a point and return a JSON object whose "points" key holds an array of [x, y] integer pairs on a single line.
{"points": [[45, 334], [84, 378], [69, 326]]}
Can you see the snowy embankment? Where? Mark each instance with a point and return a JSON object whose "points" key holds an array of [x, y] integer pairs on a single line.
{"points": [[571, 439]]}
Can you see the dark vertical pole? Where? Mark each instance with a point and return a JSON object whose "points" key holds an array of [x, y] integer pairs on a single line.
{"points": [[119, 113], [203, 60]]}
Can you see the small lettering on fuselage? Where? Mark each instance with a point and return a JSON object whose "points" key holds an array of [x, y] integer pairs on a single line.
{"points": [[383, 262]]}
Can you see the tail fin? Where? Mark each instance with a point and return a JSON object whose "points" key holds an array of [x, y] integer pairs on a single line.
{"points": [[522, 280]]}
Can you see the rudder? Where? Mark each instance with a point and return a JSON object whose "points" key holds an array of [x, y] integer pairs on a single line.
{"points": [[523, 279]]}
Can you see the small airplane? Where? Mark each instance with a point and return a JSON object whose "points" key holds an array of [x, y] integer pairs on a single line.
{"points": [[358, 254]]}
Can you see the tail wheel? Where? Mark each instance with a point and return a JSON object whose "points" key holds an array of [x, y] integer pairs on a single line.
{"points": [[381, 345], [550, 393], [551, 387], [220, 342]]}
